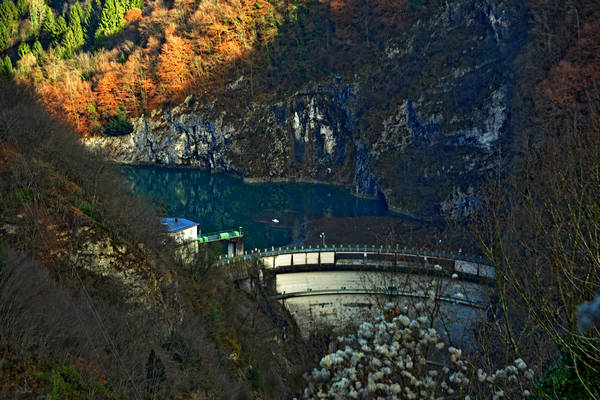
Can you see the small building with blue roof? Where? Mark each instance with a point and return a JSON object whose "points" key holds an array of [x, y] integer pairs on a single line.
{"points": [[181, 229], [186, 232]]}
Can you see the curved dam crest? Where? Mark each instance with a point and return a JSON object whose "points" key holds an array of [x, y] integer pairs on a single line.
{"points": [[335, 288]]}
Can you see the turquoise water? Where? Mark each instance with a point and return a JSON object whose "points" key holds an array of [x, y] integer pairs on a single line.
{"points": [[220, 202]]}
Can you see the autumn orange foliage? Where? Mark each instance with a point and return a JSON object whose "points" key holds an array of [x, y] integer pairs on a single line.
{"points": [[108, 94], [191, 46], [188, 47], [135, 14], [173, 70], [136, 84], [573, 80], [70, 98]]}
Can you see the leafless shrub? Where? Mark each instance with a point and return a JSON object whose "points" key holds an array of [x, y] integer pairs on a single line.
{"points": [[34, 312]]}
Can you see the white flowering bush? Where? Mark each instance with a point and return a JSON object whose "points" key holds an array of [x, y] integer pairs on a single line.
{"points": [[397, 357]]}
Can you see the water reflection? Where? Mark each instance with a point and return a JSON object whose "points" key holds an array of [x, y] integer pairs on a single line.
{"points": [[220, 202]]}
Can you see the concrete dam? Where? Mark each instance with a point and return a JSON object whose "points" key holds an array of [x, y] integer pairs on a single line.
{"points": [[335, 288]]}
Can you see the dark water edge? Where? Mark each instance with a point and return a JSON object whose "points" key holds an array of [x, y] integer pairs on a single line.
{"points": [[219, 202]]}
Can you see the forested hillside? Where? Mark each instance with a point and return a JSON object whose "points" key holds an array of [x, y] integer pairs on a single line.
{"points": [[419, 96], [159, 326], [94, 302], [95, 62]]}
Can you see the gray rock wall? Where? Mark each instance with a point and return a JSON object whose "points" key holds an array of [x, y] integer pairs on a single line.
{"points": [[421, 123]]}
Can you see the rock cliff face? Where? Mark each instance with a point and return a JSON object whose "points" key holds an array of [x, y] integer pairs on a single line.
{"points": [[421, 123]]}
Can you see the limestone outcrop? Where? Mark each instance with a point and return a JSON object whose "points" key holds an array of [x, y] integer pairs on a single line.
{"points": [[421, 124]]}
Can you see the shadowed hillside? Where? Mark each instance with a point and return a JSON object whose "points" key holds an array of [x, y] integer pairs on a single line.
{"points": [[93, 304]]}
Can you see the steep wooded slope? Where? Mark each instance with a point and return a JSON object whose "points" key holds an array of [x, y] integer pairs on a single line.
{"points": [[93, 300]]}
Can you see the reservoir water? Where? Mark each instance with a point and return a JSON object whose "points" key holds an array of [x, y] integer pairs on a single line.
{"points": [[271, 214]]}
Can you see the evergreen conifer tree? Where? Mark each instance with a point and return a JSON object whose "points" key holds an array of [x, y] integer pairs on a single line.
{"points": [[8, 11], [69, 43], [21, 8], [87, 14], [109, 19], [37, 12], [9, 17], [23, 50], [135, 4], [60, 28], [91, 19], [112, 17], [4, 36], [78, 38], [6, 67], [78, 11], [38, 51], [48, 24]]}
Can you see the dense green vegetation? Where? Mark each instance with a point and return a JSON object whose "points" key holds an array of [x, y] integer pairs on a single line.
{"points": [[66, 27], [575, 370]]}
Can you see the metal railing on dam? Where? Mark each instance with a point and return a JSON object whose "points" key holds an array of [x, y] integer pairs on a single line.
{"points": [[357, 248], [354, 257]]}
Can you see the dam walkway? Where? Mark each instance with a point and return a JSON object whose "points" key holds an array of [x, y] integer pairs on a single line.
{"points": [[357, 257]]}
